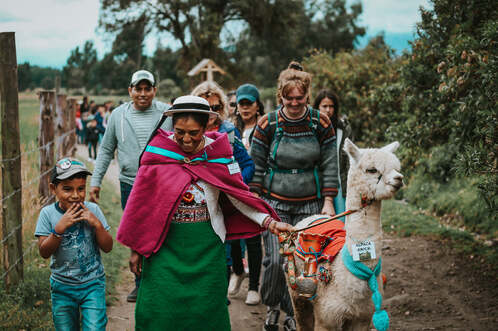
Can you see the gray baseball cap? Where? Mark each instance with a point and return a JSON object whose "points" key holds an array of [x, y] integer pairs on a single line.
{"points": [[141, 75], [67, 167]]}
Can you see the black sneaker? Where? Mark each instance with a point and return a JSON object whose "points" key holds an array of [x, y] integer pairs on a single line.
{"points": [[289, 324], [132, 297], [271, 322]]}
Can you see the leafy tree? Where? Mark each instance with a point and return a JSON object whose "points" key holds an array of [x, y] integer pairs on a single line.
{"points": [[367, 84], [79, 69], [332, 27], [451, 83], [24, 76], [276, 30], [165, 64], [130, 40], [326, 25]]}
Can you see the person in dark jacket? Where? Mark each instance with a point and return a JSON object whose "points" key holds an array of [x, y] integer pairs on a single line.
{"points": [[218, 103], [92, 137]]}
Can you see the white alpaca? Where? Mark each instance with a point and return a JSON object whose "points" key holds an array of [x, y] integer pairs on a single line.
{"points": [[345, 302]]}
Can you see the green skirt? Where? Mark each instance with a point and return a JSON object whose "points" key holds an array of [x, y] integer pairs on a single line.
{"points": [[184, 285]]}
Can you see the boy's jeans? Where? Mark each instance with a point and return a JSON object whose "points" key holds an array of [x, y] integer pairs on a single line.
{"points": [[67, 300]]}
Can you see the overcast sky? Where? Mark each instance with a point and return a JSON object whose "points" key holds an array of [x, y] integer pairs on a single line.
{"points": [[47, 31]]}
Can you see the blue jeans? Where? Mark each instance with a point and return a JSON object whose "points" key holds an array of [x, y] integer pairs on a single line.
{"points": [[125, 193], [68, 300]]}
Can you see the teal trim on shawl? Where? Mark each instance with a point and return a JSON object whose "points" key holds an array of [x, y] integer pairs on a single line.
{"points": [[380, 318], [179, 157]]}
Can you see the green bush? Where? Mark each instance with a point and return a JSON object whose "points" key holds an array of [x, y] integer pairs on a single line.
{"points": [[439, 101], [364, 80]]}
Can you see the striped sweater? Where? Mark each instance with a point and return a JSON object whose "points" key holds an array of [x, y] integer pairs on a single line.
{"points": [[301, 147]]}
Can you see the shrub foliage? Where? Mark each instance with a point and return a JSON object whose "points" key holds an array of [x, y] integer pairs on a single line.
{"points": [[439, 99]]}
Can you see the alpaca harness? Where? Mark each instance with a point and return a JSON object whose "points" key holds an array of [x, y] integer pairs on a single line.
{"points": [[324, 245], [278, 132]]}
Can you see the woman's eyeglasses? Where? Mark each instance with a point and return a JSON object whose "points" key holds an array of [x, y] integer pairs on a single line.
{"points": [[216, 108], [233, 104]]}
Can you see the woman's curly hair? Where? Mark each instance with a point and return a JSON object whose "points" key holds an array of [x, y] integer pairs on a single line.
{"points": [[293, 77], [208, 88]]}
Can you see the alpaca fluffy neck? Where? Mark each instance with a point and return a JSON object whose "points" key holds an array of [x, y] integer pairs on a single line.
{"points": [[365, 224]]}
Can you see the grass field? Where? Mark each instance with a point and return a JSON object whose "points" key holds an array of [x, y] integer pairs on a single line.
{"points": [[28, 306]]}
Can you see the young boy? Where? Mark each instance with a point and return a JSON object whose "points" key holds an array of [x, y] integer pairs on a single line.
{"points": [[73, 231]]}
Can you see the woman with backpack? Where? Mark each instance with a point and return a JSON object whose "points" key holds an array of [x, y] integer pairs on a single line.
{"points": [[294, 151]]}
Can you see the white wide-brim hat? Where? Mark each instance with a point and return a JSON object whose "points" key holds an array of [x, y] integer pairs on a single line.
{"points": [[190, 104]]}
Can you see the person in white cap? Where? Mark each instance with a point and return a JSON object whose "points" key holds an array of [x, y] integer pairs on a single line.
{"points": [[128, 130]]}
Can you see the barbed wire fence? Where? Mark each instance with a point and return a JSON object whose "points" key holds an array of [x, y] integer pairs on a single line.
{"points": [[56, 139]]}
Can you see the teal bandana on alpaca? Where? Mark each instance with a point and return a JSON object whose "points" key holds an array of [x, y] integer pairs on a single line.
{"points": [[380, 318]]}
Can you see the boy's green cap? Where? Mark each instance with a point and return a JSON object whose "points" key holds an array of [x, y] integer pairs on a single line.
{"points": [[67, 167]]}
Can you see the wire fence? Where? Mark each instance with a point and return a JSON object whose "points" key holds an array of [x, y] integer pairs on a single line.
{"points": [[26, 252], [7, 236], [57, 139]]}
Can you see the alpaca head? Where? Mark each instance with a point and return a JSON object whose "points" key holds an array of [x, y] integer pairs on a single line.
{"points": [[373, 173]]}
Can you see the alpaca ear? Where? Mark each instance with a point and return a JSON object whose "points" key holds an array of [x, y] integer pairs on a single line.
{"points": [[353, 152], [392, 147]]}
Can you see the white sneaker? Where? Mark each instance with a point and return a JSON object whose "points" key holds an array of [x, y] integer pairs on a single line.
{"points": [[253, 298], [235, 282]]}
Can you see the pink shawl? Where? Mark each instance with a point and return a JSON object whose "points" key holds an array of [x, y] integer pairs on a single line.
{"points": [[161, 182]]}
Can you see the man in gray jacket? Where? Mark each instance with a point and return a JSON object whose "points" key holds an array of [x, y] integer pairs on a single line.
{"points": [[128, 130]]}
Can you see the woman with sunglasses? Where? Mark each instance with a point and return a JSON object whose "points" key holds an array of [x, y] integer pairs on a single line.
{"points": [[217, 99], [295, 155], [249, 109]]}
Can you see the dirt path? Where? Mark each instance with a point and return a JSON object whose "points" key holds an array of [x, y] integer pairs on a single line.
{"points": [[429, 288]]}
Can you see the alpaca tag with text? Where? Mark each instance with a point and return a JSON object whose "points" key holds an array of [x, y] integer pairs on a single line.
{"points": [[233, 168], [363, 251]]}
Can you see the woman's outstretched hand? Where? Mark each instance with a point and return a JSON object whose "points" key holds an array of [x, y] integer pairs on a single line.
{"points": [[276, 227]]}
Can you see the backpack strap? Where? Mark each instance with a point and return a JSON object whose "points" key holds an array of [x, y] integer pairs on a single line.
{"points": [[277, 137]]}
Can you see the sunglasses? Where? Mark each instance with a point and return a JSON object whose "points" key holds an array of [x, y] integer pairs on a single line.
{"points": [[216, 108], [233, 104]]}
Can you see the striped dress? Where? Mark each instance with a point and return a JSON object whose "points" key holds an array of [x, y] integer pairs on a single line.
{"points": [[306, 155]]}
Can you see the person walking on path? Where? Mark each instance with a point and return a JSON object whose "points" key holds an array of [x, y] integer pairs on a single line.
{"points": [[249, 109], [218, 122], [218, 103], [327, 103], [128, 130], [294, 152], [177, 238], [72, 232], [92, 137]]}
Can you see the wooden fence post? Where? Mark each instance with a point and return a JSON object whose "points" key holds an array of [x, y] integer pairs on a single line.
{"points": [[61, 123], [46, 142], [71, 142], [12, 257]]}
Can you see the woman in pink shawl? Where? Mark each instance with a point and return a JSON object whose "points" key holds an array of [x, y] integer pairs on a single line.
{"points": [[188, 198]]}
